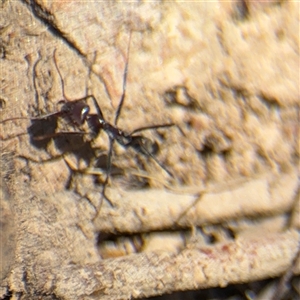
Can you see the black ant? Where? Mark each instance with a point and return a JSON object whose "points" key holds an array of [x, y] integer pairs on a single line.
{"points": [[77, 113]]}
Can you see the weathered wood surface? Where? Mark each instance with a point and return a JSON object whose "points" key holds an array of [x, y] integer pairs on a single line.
{"points": [[225, 73]]}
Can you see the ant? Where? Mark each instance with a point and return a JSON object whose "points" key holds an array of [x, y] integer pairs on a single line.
{"points": [[77, 112]]}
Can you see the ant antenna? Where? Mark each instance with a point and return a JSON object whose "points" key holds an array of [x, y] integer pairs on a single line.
{"points": [[152, 127], [124, 83]]}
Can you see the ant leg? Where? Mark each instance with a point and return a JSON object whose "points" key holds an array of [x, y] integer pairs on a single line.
{"points": [[54, 114], [36, 97], [143, 149], [15, 118], [152, 127], [161, 165], [32, 120], [108, 170], [63, 83], [63, 87], [57, 113], [124, 84], [99, 111], [12, 137], [139, 144], [56, 134]]}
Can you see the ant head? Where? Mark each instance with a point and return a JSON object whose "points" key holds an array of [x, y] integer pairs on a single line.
{"points": [[76, 111]]}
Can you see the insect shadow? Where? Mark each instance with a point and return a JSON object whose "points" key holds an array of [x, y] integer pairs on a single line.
{"points": [[44, 129], [77, 113]]}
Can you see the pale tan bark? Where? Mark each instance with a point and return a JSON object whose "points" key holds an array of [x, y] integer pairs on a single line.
{"points": [[225, 73]]}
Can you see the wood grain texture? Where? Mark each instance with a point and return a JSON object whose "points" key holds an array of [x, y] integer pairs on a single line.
{"points": [[225, 73]]}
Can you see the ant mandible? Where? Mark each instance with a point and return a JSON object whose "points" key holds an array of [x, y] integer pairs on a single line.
{"points": [[77, 112]]}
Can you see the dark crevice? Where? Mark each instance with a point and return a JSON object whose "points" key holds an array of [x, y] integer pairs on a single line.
{"points": [[269, 101], [241, 10], [179, 96], [48, 19]]}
